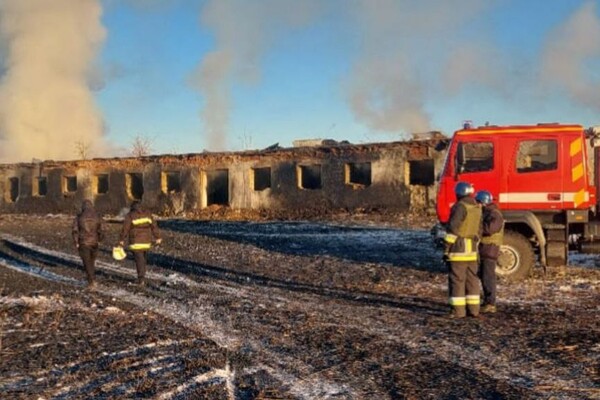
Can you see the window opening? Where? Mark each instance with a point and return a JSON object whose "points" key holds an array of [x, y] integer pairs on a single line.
{"points": [[70, 184], [421, 172], [101, 184], [358, 174], [261, 178], [40, 184], [217, 187], [171, 182], [309, 176], [135, 185], [13, 193]]}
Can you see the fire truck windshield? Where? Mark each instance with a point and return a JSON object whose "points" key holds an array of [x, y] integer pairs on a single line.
{"points": [[474, 157]]}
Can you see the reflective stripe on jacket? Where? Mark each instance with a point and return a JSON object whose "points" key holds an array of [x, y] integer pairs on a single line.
{"points": [[464, 230], [140, 229], [142, 221], [464, 249], [140, 246]]}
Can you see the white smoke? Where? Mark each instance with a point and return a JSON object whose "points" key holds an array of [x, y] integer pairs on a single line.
{"points": [[46, 106], [400, 40], [474, 64], [385, 95], [408, 52], [386, 87], [243, 31], [569, 49]]}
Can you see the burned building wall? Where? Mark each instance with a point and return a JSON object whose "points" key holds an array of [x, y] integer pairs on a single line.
{"points": [[386, 176], [343, 177]]}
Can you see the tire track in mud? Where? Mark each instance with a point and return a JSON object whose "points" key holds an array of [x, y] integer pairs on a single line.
{"points": [[192, 314], [305, 381]]}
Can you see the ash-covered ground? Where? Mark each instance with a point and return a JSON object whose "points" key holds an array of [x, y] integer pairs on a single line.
{"points": [[282, 310]]}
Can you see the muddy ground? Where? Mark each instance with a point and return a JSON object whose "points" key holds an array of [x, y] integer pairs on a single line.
{"points": [[350, 309]]}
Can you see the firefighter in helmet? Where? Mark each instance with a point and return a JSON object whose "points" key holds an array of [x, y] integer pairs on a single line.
{"points": [[87, 233], [462, 238], [489, 248], [140, 228]]}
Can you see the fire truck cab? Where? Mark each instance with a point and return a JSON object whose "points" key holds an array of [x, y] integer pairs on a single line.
{"points": [[540, 178]]}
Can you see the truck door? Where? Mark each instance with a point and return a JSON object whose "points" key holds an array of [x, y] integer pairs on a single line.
{"points": [[471, 158], [534, 175]]}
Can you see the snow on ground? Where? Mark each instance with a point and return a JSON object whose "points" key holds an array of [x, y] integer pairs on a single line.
{"points": [[305, 335]]}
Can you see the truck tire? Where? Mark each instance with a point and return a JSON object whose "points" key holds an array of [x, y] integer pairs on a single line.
{"points": [[516, 257]]}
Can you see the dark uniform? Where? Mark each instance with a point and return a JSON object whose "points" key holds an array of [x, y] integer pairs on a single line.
{"points": [[141, 230], [462, 238], [489, 250], [87, 233]]}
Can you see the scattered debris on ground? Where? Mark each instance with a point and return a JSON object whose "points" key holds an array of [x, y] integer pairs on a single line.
{"points": [[347, 309]]}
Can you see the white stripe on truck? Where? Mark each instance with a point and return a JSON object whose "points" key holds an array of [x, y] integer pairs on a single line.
{"points": [[537, 197]]}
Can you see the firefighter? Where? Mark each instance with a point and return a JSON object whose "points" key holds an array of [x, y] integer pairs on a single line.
{"points": [[87, 233], [489, 248], [140, 228], [462, 238]]}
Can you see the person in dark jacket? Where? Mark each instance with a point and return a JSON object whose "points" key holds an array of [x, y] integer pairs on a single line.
{"points": [[489, 248], [462, 237], [87, 233], [140, 228]]}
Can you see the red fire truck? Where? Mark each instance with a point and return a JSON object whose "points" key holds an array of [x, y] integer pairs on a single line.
{"points": [[542, 180]]}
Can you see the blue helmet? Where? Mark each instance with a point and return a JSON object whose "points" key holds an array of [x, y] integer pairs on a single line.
{"points": [[463, 189], [484, 197]]}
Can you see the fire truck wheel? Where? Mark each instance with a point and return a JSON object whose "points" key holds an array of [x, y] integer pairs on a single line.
{"points": [[516, 257]]}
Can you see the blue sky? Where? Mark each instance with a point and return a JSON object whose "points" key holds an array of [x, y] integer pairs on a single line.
{"points": [[352, 70]]}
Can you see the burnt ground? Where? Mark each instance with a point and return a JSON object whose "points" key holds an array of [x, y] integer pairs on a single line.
{"points": [[282, 310]]}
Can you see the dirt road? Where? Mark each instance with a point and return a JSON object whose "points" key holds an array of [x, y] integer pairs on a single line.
{"points": [[246, 310]]}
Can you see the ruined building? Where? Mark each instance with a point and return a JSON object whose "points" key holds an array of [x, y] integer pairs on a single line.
{"points": [[319, 175]]}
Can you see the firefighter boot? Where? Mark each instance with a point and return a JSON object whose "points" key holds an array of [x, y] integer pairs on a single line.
{"points": [[488, 309], [473, 306], [457, 312]]}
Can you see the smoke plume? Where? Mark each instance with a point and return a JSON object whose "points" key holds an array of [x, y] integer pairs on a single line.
{"points": [[568, 51], [47, 110], [408, 54], [243, 31], [400, 39], [385, 96]]}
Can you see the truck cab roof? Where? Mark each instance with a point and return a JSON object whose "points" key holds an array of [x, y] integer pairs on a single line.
{"points": [[519, 129]]}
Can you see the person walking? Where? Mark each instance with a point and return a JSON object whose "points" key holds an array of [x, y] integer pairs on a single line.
{"points": [[87, 233], [489, 248], [462, 237], [141, 230]]}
